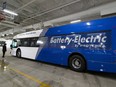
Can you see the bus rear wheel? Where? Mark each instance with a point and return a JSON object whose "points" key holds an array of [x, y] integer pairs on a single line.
{"points": [[18, 54], [77, 63]]}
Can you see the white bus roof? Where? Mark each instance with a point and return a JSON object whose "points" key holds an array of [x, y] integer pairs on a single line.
{"points": [[35, 33]]}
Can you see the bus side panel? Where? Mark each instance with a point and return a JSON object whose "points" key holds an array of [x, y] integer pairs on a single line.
{"points": [[96, 60], [100, 66], [100, 55], [114, 42], [13, 51], [29, 52], [52, 55], [58, 48], [111, 54]]}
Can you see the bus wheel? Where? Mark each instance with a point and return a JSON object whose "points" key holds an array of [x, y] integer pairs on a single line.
{"points": [[18, 54], [77, 63]]}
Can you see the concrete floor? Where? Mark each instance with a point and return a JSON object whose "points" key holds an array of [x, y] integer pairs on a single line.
{"points": [[15, 72]]}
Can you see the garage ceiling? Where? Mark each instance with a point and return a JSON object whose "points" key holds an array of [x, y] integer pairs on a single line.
{"points": [[35, 11]]}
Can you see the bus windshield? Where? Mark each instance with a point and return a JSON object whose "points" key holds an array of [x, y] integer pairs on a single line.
{"points": [[15, 43]]}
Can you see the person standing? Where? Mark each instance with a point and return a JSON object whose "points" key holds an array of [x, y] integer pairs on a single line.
{"points": [[4, 50]]}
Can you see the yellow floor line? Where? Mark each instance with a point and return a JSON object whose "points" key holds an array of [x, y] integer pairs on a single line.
{"points": [[42, 84]]}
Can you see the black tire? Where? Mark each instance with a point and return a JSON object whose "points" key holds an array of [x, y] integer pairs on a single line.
{"points": [[18, 54], [77, 63]]}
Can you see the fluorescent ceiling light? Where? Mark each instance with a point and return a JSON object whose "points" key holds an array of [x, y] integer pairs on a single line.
{"points": [[11, 33], [75, 21], [10, 12]]}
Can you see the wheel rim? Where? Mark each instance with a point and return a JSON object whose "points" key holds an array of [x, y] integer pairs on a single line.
{"points": [[19, 53], [76, 63]]}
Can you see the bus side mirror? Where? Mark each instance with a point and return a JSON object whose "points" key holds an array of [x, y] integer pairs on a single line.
{"points": [[19, 45], [11, 46]]}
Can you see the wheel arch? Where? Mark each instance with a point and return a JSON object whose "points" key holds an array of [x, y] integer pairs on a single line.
{"points": [[18, 50], [76, 53]]}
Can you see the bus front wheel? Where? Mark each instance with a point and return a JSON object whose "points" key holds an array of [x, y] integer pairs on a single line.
{"points": [[77, 63], [18, 54]]}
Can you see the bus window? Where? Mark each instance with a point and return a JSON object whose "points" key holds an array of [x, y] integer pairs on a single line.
{"points": [[33, 42], [24, 42]]}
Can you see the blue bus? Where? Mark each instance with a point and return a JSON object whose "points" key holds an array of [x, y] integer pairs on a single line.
{"points": [[82, 46]]}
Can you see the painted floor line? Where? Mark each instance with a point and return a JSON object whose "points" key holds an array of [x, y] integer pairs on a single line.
{"points": [[42, 84]]}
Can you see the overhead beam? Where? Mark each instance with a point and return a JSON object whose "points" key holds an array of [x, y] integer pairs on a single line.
{"points": [[8, 24], [51, 10], [25, 5]]}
